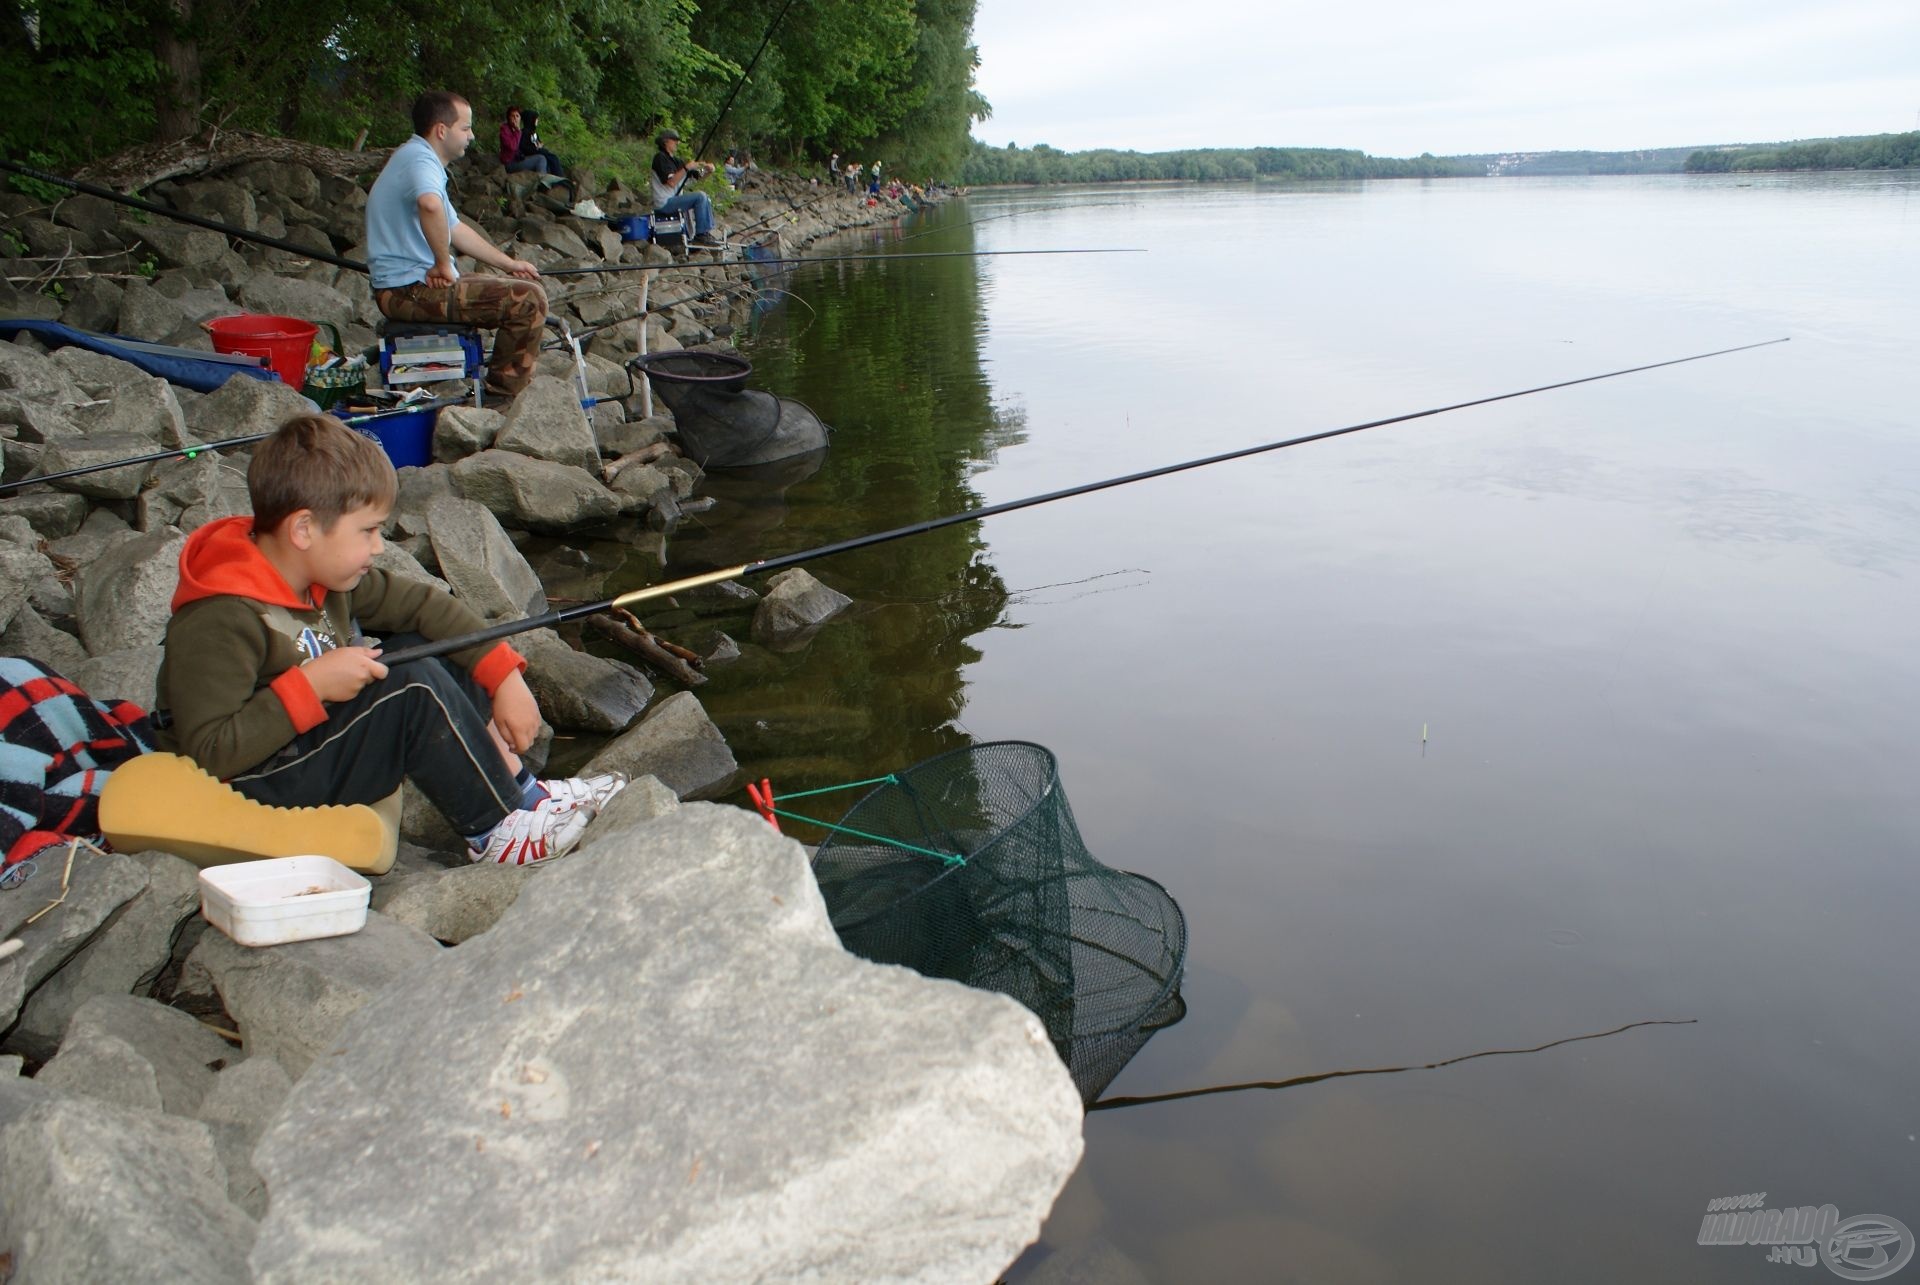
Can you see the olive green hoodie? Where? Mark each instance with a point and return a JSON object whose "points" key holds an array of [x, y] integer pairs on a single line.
{"points": [[231, 681]]}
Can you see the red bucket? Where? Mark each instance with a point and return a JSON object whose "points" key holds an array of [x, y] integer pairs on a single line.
{"points": [[285, 342]]}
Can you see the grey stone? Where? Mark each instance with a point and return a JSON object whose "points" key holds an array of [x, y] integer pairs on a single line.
{"points": [[52, 598], [147, 314], [421, 823], [125, 599], [221, 200], [480, 562], [52, 513], [93, 304], [631, 435], [88, 213], [243, 1099], [289, 1001], [451, 904], [31, 635], [244, 406], [97, 374], [20, 569], [176, 245], [580, 692], [103, 1068], [145, 408], [508, 1065], [418, 491], [294, 297], [128, 674], [35, 376], [123, 959], [641, 486], [538, 495], [397, 561], [19, 1095], [179, 485], [677, 743], [794, 607], [460, 431], [94, 1193], [682, 472], [547, 423], [200, 301], [87, 452], [182, 1052], [41, 417], [100, 884]]}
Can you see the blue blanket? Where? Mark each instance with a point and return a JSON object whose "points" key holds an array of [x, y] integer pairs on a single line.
{"points": [[175, 365]]}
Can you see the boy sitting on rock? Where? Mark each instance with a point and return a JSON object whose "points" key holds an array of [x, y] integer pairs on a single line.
{"points": [[269, 684]]}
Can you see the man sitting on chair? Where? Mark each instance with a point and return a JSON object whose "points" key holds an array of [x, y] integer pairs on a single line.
{"points": [[413, 234], [669, 174]]}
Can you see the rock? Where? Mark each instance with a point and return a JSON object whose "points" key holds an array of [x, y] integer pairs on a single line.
{"points": [[20, 569], [179, 1054], [52, 513], [146, 409], [536, 494], [19, 1096], [35, 377], [397, 561], [281, 180], [95, 1193], [620, 439], [177, 486], [677, 743], [221, 200], [97, 374], [103, 1068], [88, 213], [451, 904], [421, 823], [128, 674], [580, 692], [794, 607], [201, 302], [641, 485], [147, 314], [177, 245], [508, 1065], [460, 431], [237, 1108], [122, 960], [683, 473], [480, 562], [94, 304], [547, 423], [125, 599], [31, 635], [289, 1001], [87, 452], [38, 418], [645, 799], [243, 406], [295, 297], [101, 883]]}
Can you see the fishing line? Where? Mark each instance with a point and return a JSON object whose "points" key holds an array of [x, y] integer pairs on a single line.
{"points": [[739, 84], [509, 628], [1147, 1099]]}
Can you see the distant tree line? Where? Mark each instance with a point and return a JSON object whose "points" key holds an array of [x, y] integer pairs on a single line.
{"points": [[889, 79], [1871, 152], [1043, 164]]}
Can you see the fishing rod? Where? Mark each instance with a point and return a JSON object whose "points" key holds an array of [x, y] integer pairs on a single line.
{"points": [[188, 452], [732, 94], [509, 628], [824, 258], [108, 194]]}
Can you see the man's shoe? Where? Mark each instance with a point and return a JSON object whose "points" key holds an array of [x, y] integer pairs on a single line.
{"points": [[539, 833], [592, 793], [708, 241]]}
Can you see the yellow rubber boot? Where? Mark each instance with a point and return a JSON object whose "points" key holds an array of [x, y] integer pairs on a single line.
{"points": [[165, 801]]}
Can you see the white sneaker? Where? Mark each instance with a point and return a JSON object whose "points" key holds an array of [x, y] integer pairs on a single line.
{"points": [[590, 792], [533, 834]]}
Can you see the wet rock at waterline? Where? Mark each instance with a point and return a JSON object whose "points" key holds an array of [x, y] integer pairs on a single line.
{"points": [[537, 495], [578, 691], [794, 608], [678, 744]]}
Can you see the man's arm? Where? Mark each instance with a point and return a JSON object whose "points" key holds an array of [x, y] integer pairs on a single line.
{"points": [[470, 243], [433, 225]]}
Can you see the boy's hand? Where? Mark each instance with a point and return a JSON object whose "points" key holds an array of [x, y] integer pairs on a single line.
{"points": [[339, 674], [516, 713]]}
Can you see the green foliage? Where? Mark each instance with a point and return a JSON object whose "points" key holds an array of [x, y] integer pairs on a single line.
{"points": [[1044, 164], [604, 74], [1870, 152]]}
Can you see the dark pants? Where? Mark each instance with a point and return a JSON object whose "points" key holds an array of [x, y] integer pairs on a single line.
{"points": [[426, 719]]}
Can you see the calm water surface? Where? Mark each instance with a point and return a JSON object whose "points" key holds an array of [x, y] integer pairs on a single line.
{"points": [[1659, 633]]}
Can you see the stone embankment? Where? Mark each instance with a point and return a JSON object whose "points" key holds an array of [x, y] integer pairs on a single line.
{"points": [[648, 1061]]}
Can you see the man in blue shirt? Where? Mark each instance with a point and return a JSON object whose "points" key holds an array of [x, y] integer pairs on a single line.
{"points": [[413, 234]]}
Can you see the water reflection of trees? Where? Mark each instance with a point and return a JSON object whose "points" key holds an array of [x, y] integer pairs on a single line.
{"points": [[889, 355]]}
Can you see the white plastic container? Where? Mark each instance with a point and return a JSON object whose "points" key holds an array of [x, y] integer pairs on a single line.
{"points": [[283, 899]]}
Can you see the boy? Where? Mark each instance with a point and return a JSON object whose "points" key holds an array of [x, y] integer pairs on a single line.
{"points": [[269, 685]]}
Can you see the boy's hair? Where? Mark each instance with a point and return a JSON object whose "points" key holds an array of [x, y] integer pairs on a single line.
{"points": [[436, 107], [316, 462]]}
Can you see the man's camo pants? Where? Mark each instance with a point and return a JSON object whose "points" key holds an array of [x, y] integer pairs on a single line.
{"points": [[518, 308]]}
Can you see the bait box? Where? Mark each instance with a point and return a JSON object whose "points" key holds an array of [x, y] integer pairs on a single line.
{"points": [[283, 899]]}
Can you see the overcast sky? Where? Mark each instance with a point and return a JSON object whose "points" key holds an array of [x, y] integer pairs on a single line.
{"points": [[1401, 77]]}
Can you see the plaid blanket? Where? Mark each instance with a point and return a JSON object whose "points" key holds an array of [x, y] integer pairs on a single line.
{"points": [[57, 747]]}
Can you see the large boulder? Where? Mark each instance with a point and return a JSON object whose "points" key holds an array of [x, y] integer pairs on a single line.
{"points": [[172, 1055], [146, 408], [34, 376], [243, 407], [678, 744], [579, 692], [295, 297], [176, 245], [460, 431], [935, 1128], [480, 562], [20, 569], [98, 374], [30, 635], [90, 1192], [289, 1001], [92, 451], [220, 200], [237, 1108], [100, 883], [127, 674], [147, 314], [126, 598], [794, 608], [547, 423], [537, 495]]}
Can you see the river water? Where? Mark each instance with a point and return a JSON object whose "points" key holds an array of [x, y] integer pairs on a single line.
{"points": [[1474, 733]]}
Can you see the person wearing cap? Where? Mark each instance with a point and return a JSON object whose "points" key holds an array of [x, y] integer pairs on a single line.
{"points": [[669, 175]]}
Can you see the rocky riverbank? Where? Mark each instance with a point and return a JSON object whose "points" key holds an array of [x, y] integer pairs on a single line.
{"points": [[648, 1061]]}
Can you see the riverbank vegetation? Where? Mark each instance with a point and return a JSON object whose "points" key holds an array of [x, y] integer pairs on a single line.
{"points": [[1872, 152], [892, 79], [1044, 164]]}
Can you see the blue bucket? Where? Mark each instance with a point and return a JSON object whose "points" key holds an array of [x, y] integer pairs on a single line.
{"points": [[405, 435]]}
